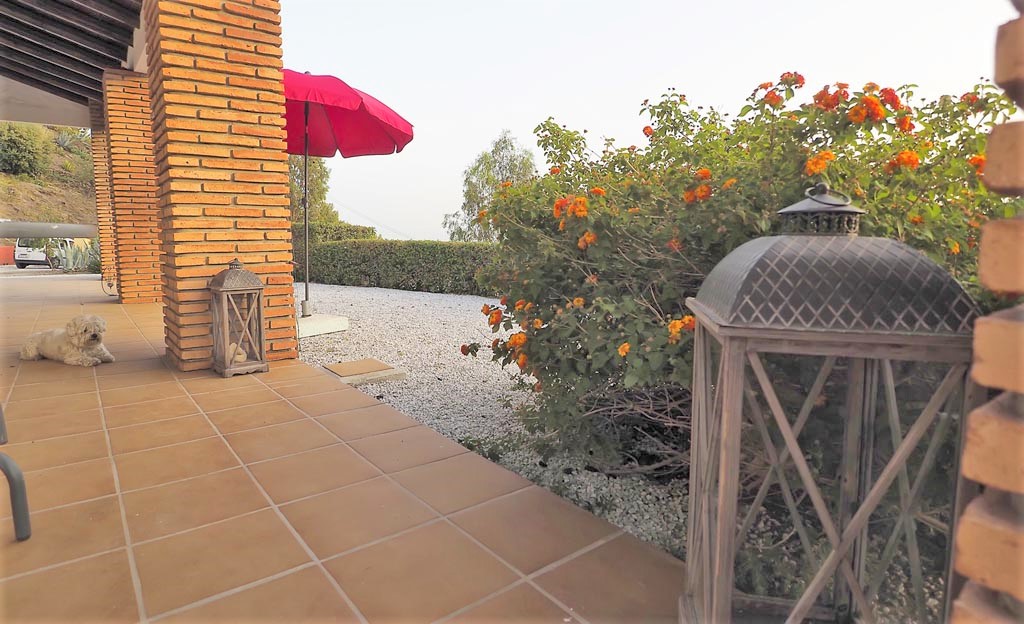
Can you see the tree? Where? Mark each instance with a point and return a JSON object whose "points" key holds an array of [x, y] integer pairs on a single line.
{"points": [[23, 149], [505, 163], [320, 210]]}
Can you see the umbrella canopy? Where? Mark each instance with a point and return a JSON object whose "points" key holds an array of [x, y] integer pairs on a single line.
{"points": [[341, 119]]}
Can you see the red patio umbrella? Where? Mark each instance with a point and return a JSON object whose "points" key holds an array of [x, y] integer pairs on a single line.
{"points": [[323, 117]]}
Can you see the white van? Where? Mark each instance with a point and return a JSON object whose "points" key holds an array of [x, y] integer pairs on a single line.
{"points": [[32, 251]]}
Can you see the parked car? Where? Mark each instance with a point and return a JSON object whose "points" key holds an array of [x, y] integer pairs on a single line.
{"points": [[33, 251]]}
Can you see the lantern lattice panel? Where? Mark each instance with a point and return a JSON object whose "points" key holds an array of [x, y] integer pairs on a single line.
{"points": [[237, 310]]}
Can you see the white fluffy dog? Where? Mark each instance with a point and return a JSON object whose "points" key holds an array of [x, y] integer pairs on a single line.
{"points": [[80, 343]]}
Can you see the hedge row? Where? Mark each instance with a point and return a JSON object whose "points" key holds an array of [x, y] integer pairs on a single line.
{"points": [[323, 231], [431, 266]]}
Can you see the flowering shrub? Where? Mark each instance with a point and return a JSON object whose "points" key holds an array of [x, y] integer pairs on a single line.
{"points": [[599, 255]]}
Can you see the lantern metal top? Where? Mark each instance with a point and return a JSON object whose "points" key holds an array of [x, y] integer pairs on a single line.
{"points": [[835, 283], [235, 277], [824, 211]]}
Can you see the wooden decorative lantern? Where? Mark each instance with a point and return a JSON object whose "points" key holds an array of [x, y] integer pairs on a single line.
{"points": [[237, 304], [868, 314]]}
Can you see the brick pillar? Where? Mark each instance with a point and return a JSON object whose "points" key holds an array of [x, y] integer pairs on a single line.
{"points": [[100, 149], [217, 92], [132, 186]]}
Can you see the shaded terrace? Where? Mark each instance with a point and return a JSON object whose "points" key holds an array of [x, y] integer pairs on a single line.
{"points": [[287, 495]]}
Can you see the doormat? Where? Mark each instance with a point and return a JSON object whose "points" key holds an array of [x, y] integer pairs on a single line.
{"points": [[364, 371]]}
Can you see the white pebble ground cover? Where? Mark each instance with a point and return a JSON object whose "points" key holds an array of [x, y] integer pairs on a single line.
{"points": [[464, 398]]}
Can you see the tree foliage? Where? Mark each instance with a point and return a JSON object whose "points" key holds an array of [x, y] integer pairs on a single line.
{"points": [[320, 210], [23, 149], [505, 164]]}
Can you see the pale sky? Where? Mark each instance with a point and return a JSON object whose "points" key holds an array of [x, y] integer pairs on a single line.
{"points": [[462, 70]]}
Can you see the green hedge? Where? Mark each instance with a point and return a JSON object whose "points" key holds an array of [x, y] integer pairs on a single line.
{"points": [[323, 232], [431, 266]]}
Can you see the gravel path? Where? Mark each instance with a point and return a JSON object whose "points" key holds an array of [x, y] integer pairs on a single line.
{"points": [[467, 399]]}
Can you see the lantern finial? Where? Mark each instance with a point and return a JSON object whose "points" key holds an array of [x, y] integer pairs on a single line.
{"points": [[235, 264], [824, 212]]}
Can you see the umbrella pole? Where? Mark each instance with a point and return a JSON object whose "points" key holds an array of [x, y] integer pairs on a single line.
{"points": [[306, 305]]}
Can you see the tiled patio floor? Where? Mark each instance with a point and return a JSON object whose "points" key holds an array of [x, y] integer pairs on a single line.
{"points": [[283, 496]]}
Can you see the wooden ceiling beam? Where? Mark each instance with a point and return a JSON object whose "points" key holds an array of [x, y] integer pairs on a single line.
{"points": [[52, 28], [47, 54], [108, 10], [45, 40], [29, 71], [86, 22], [42, 86], [93, 80]]}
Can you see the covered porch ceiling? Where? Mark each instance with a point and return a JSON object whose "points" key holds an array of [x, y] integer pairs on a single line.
{"points": [[59, 49]]}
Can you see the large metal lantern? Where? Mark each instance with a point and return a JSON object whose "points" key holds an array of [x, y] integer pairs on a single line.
{"points": [[237, 304], [813, 331]]}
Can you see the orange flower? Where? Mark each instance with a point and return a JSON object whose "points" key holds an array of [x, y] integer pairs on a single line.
{"points": [[555, 170], [588, 239], [597, 190], [506, 184], [689, 197], [842, 85], [917, 219], [517, 340], [503, 301], [971, 99], [494, 344], [633, 210], [703, 192], [578, 208], [674, 245], [870, 87], [826, 101], [728, 184], [528, 307], [703, 173], [954, 248], [890, 98], [792, 79], [857, 114], [537, 323], [873, 107], [689, 322], [973, 224], [818, 163], [480, 216], [520, 304], [978, 162], [908, 159], [766, 85], [592, 278], [464, 349], [677, 326], [486, 309], [648, 131], [623, 349], [578, 302], [521, 361], [773, 99], [494, 318], [560, 204], [905, 124], [561, 225]]}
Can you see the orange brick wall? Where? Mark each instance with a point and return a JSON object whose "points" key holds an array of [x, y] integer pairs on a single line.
{"points": [[217, 92], [132, 186], [101, 174]]}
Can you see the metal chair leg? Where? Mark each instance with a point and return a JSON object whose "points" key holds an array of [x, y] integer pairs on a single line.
{"points": [[19, 498]]}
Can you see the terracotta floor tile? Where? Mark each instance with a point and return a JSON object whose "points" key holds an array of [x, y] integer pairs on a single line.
{"points": [[159, 433], [216, 383], [623, 581], [532, 528], [63, 387], [522, 604], [366, 421], [419, 576], [234, 398], [137, 355], [251, 416], [159, 511], [314, 385], [170, 463], [406, 448], [312, 472], [63, 485], [149, 411], [135, 378], [61, 535], [284, 375], [459, 482], [43, 371], [217, 558], [28, 429], [277, 440], [332, 402], [98, 589], [58, 451], [138, 366], [337, 521], [303, 596], [51, 406], [138, 394]]}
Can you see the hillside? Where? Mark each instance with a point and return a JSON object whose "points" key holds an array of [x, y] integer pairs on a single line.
{"points": [[46, 174]]}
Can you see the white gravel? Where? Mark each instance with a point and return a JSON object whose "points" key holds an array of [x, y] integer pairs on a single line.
{"points": [[466, 398]]}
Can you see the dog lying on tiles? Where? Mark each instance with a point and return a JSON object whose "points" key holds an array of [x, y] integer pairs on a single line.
{"points": [[79, 343]]}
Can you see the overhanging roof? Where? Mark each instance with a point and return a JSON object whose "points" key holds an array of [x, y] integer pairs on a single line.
{"points": [[62, 46]]}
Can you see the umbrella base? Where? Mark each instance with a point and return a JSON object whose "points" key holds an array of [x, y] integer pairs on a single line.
{"points": [[307, 308]]}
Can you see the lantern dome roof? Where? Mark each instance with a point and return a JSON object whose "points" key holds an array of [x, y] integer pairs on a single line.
{"points": [[835, 283], [235, 277]]}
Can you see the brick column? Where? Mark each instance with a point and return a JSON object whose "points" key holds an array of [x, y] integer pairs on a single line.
{"points": [[215, 81], [132, 186], [100, 149]]}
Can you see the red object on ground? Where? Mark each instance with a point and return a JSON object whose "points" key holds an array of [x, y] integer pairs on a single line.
{"points": [[6, 254], [341, 119]]}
